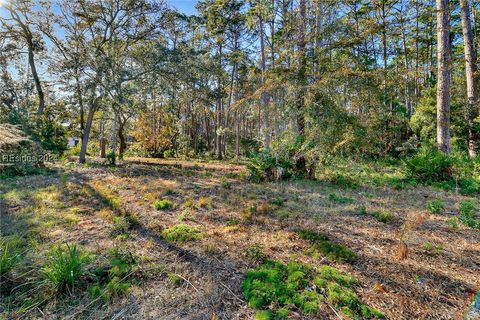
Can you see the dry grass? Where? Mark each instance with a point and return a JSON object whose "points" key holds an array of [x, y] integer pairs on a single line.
{"points": [[416, 285]]}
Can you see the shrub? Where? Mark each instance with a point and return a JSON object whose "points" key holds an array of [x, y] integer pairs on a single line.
{"points": [[64, 267], [383, 216], [274, 289], [435, 206], [468, 214], [430, 165], [111, 156], [163, 204], [181, 233], [266, 166]]}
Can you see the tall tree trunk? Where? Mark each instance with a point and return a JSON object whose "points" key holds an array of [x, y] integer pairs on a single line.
{"points": [[86, 132], [443, 82], [264, 98], [470, 70], [218, 138]]}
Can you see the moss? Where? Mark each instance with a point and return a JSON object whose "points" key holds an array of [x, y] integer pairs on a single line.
{"points": [[299, 287], [181, 233]]}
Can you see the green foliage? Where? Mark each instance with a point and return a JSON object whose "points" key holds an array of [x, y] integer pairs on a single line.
{"points": [[362, 210], [311, 235], [339, 199], [163, 204], [64, 267], [274, 289], [181, 233], [265, 166], [111, 157], [120, 225], [336, 252], [383, 216], [468, 214], [8, 258], [328, 249], [430, 165], [435, 206], [453, 223]]}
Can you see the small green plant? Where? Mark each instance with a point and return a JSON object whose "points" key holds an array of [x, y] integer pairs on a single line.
{"points": [[175, 278], [120, 225], [181, 233], [362, 210], [64, 267], [186, 215], [435, 206], [163, 204], [433, 248], [311, 235], [333, 251], [453, 223], [204, 202], [255, 252], [233, 222], [8, 258], [169, 192], [278, 201], [226, 184], [468, 214], [339, 199], [383, 216]]}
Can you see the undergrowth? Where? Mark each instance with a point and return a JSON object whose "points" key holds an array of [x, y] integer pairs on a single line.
{"points": [[277, 290], [181, 233]]}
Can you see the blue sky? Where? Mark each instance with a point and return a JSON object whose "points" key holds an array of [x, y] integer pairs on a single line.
{"points": [[185, 6]]}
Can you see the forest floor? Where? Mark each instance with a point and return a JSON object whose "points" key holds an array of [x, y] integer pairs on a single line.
{"points": [[241, 223]]}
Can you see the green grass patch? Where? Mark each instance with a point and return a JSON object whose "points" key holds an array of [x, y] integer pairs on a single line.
{"points": [[383, 216], [276, 290], [182, 233], [163, 204], [339, 199], [322, 246]]}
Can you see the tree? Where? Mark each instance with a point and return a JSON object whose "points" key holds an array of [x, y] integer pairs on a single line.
{"points": [[470, 73], [443, 81]]}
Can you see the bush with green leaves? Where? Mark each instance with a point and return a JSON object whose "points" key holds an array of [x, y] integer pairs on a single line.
{"points": [[181, 233], [277, 290], [430, 165], [64, 267], [468, 214], [163, 204], [435, 206]]}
